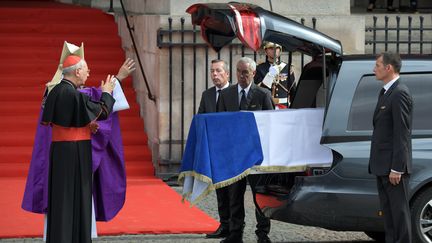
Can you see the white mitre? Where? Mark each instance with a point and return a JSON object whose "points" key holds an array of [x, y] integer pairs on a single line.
{"points": [[68, 49]]}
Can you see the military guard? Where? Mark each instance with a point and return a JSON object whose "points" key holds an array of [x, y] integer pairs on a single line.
{"points": [[276, 76]]}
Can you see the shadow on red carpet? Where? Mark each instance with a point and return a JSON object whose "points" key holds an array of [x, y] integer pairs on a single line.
{"points": [[151, 207]]}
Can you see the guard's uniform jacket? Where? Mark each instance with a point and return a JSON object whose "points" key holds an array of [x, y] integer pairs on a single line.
{"points": [[283, 87]]}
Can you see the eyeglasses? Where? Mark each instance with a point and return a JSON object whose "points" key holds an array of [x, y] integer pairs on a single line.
{"points": [[244, 73]]}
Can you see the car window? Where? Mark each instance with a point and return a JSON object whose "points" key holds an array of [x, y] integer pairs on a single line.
{"points": [[310, 92], [366, 96]]}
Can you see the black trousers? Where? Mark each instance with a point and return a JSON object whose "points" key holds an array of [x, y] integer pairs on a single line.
{"points": [[69, 192], [263, 223], [395, 205], [231, 207], [223, 206]]}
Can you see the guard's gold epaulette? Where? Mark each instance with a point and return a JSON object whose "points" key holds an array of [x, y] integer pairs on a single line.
{"points": [[261, 62]]}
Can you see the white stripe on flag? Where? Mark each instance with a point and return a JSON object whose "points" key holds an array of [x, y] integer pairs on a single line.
{"points": [[291, 137]]}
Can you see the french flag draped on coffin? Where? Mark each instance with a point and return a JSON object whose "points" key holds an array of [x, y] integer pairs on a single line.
{"points": [[224, 147]]}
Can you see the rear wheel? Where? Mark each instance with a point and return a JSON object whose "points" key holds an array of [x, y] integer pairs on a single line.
{"points": [[377, 236], [421, 217]]}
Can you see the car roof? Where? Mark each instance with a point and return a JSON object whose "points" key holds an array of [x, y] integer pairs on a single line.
{"points": [[221, 23]]}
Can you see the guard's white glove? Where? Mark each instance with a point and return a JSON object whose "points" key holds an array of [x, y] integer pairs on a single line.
{"points": [[273, 71]]}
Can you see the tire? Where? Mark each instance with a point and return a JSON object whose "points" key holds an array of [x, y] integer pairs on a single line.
{"points": [[421, 216], [377, 236]]}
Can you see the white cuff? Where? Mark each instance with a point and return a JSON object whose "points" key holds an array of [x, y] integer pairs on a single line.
{"points": [[397, 172]]}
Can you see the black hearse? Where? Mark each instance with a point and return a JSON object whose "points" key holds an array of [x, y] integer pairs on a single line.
{"points": [[341, 196]]}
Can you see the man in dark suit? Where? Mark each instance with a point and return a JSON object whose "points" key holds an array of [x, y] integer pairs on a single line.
{"points": [[219, 72], [390, 157], [245, 95]]}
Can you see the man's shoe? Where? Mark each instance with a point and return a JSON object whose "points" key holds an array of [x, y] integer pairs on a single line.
{"points": [[221, 232], [233, 238], [263, 239]]}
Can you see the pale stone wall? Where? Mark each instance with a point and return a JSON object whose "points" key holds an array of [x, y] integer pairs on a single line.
{"points": [[342, 28], [283, 7], [334, 7], [149, 53]]}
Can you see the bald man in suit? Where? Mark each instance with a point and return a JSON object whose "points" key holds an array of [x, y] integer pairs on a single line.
{"points": [[391, 153], [245, 95]]}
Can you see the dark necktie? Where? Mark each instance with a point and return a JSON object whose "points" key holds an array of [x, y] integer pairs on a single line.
{"points": [[382, 92], [243, 101], [217, 98]]}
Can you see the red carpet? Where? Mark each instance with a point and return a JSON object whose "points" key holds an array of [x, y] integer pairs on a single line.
{"points": [[151, 207], [31, 36]]}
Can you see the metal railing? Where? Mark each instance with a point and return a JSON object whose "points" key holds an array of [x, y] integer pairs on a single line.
{"points": [[131, 29], [412, 38]]}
